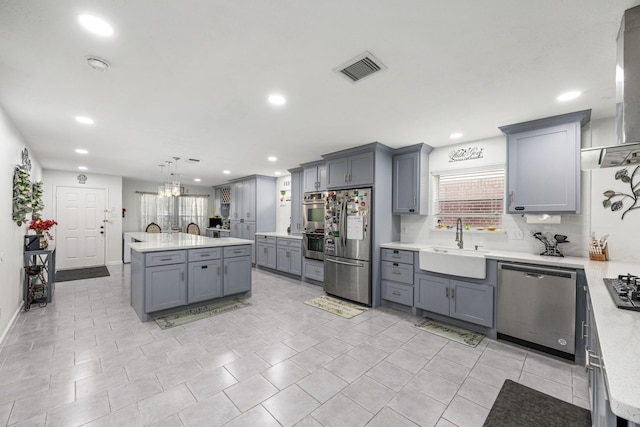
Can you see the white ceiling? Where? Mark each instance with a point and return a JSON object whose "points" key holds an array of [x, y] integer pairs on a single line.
{"points": [[190, 78]]}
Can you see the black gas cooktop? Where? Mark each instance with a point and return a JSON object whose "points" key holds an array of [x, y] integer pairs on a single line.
{"points": [[625, 291]]}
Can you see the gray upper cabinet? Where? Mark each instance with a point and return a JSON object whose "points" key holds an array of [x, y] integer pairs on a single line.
{"points": [[543, 164], [411, 180], [352, 171], [253, 206], [314, 177], [296, 200]]}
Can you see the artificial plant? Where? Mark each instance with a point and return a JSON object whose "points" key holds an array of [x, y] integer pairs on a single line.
{"points": [[21, 194], [634, 195], [36, 199]]}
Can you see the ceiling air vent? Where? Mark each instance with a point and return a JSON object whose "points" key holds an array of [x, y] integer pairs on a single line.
{"points": [[360, 67]]}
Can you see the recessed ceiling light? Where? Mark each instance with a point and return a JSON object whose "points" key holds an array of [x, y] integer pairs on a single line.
{"points": [[95, 25], [277, 173], [83, 168], [226, 172], [276, 99], [196, 179], [84, 120], [568, 96], [81, 151], [455, 135], [272, 158]]}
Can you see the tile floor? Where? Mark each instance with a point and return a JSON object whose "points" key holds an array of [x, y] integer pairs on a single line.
{"points": [[87, 360]]}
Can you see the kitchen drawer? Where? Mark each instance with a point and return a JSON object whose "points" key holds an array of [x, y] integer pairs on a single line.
{"points": [[313, 269], [397, 292], [295, 243], [397, 272], [205, 254], [397, 255], [269, 240], [235, 251], [165, 257]]}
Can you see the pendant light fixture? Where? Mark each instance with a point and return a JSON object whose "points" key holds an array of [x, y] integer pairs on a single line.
{"points": [[161, 186], [175, 182], [170, 187]]}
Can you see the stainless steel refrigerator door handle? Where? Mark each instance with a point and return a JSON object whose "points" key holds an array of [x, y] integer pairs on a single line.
{"points": [[345, 263], [343, 222]]}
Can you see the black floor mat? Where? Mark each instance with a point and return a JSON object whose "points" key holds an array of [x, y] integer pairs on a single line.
{"points": [[518, 405], [81, 273]]}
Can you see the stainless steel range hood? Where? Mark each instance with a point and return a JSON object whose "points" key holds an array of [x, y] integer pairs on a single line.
{"points": [[627, 150]]}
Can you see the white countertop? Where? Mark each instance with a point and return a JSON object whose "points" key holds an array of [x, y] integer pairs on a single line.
{"points": [[281, 235], [617, 329], [153, 242]]}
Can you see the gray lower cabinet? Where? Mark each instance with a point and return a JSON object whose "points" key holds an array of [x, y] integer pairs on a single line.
{"points": [[397, 276], [237, 269], [266, 254], [289, 256], [313, 269], [471, 302], [165, 287], [205, 280]]}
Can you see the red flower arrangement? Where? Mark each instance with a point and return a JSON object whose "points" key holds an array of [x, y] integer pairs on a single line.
{"points": [[40, 225]]}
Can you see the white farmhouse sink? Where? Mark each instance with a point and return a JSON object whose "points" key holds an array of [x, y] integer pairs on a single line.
{"points": [[457, 262]]}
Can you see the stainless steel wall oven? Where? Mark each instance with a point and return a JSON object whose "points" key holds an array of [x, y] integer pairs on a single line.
{"points": [[313, 212]]}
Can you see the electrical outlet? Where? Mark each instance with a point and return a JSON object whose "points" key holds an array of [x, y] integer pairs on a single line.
{"points": [[515, 235]]}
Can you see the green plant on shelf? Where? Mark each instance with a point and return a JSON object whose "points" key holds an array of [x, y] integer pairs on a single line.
{"points": [[615, 199]]}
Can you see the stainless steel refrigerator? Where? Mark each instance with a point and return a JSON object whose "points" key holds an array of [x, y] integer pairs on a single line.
{"points": [[347, 244]]}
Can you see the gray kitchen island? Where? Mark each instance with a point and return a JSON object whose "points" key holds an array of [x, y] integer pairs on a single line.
{"points": [[174, 271]]}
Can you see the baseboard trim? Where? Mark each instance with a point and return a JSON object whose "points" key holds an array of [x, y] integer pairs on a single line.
{"points": [[115, 263], [10, 325]]}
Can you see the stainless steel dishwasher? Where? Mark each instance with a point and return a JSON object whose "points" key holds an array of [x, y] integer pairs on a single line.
{"points": [[537, 307]]}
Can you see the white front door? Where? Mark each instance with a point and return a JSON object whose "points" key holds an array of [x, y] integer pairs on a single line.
{"points": [[80, 232]]}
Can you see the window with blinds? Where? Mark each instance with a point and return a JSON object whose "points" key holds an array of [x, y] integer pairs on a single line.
{"points": [[477, 197]]}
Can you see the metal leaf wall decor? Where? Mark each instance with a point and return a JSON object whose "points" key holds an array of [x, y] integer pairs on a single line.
{"points": [[615, 200]]}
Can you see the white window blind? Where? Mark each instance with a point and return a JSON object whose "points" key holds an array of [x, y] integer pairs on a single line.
{"points": [[477, 197]]}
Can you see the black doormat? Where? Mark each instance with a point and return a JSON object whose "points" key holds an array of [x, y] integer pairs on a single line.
{"points": [[81, 273], [518, 405]]}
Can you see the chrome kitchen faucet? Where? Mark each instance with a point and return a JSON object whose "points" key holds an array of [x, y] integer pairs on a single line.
{"points": [[459, 233]]}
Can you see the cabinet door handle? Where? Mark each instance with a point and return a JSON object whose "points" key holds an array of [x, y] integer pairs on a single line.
{"points": [[446, 292], [511, 197], [182, 276], [453, 293], [415, 202], [225, 269], [218, 270], [584, 326], [345, 177]]}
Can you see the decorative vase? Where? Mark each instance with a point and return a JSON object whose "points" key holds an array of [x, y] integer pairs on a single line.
{"points": [[39, 231], [43, 242]]}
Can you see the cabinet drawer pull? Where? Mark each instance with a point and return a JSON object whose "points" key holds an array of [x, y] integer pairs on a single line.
{"points": [[204, 255], [166, 259], [204, 267], [395, 264], [397, 273], [396, 252], [237, 252], [396, 293]]}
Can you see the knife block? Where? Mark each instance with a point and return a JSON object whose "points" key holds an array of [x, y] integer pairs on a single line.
{"points": [[603, 256]]}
